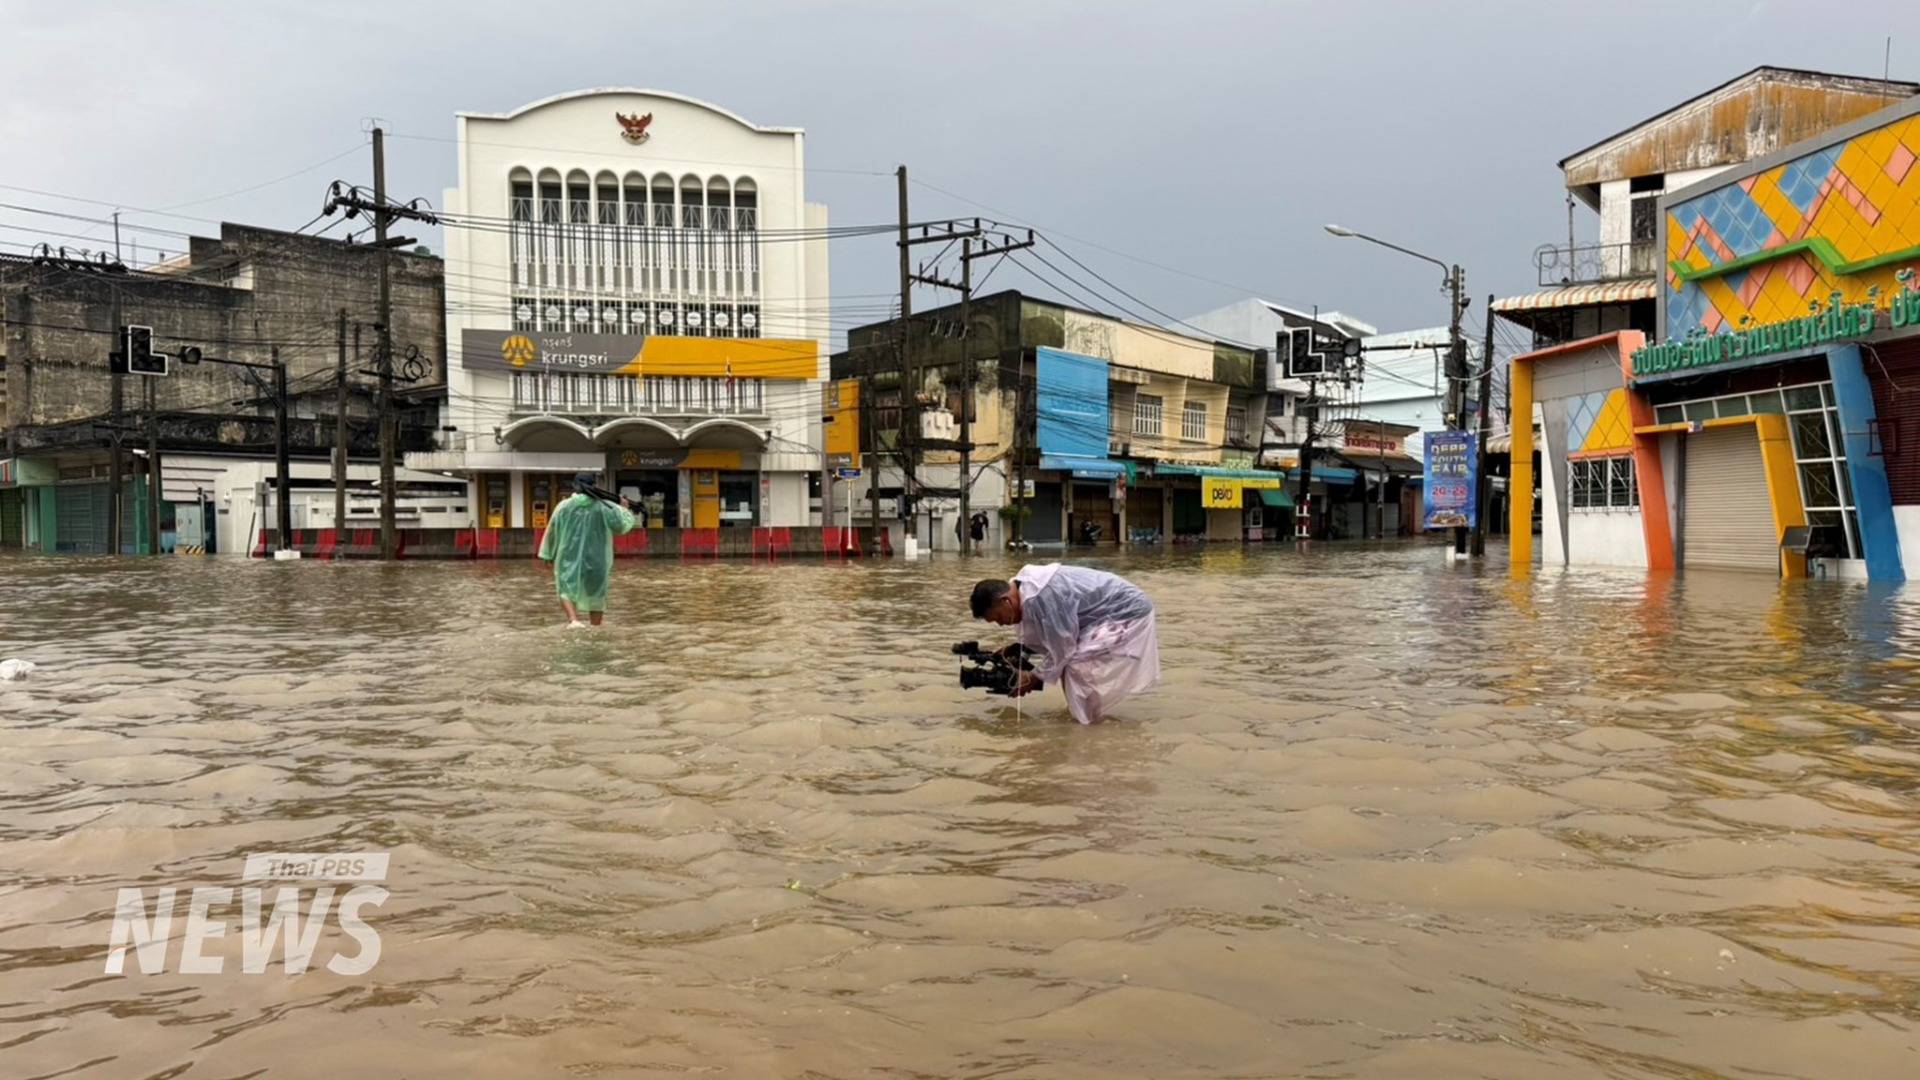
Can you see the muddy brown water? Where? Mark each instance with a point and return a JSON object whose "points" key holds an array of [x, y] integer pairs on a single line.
{"points": [[1385, 818]]}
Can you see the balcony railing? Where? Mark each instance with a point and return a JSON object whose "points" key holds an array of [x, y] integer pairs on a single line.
{"points": [[1583, 264], [588, 393]]}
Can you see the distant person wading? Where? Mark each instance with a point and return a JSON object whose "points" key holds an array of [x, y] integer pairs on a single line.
{"points": [[578, 547]]}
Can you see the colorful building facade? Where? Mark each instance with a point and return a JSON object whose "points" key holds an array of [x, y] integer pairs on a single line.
{"points": [[1770, 427]]}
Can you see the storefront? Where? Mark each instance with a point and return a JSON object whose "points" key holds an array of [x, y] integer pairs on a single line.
{"points": [[678, 330], [1762, 432]]}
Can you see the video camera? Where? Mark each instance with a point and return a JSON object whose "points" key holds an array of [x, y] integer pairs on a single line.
{"points": [[994, 672], [601, 493]]}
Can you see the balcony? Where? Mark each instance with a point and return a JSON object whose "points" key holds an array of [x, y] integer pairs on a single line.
{"points": [[591, 394], [1583, 264]]}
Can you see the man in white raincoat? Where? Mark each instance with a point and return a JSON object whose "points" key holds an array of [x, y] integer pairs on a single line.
{"points": [[1095, 633]]}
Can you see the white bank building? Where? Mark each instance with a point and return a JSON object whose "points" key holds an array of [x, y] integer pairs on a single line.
{"points": [[636, 286]]}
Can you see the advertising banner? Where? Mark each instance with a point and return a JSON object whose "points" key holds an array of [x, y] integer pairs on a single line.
{"points": [[1451, 480]]}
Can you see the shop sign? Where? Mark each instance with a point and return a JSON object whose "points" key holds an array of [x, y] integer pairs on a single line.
{"points": [[1217, 493], [1836, 320], [652, 459], [1452, 468]]}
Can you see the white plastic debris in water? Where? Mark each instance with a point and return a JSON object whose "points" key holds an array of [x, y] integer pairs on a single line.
{"points": [[15, 669]]}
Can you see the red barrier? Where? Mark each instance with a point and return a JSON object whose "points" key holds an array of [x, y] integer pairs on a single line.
{"points": [[772, 541], [700, 542], [326, 541], [634, 542]]}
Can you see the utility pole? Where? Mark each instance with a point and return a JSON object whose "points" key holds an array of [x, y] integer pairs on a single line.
{"points": [[966, 393], [1380, 503], [1482, 485], [117, 388], [282, 505], [1457, 375], [1020, 448], [869, 425], [153, 468], [1303, 506], [381, 216], [909, 385], [340, 428], [968, 253]]}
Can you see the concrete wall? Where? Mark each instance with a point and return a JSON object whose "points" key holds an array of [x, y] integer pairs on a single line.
{"points": [[1606, 538], [286, 290]]}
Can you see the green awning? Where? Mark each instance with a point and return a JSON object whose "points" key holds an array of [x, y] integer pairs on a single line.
{"points": [[1217, 472], [1275, 497]]}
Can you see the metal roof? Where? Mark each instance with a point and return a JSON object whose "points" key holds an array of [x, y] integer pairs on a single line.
{"points": [[1572, 296]]}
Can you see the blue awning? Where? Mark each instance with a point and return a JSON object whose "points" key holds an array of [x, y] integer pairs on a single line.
{"points": [[1088, 467]]}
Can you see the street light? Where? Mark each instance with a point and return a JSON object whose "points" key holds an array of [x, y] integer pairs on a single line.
{"points": [[1455, 283]]}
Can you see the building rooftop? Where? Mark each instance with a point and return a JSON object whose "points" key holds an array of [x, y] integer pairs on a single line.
{"points": [[1743, 118]]}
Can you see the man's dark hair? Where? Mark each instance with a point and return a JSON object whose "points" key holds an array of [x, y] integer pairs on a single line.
{"points": [[986, 594]]}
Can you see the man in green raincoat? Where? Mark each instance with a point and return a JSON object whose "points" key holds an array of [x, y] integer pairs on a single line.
{"points": [[578, 548]]}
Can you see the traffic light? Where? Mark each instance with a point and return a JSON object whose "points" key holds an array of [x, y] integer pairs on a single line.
{"points": [[141, 359]]}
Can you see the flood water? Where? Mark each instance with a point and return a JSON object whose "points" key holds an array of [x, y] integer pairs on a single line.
{"points": [[1386, 817]]}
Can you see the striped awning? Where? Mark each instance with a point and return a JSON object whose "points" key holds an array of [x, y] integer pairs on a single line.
{"points": [[1572, 296]]}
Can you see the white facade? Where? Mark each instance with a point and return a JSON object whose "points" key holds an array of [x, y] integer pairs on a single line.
{"points": [[668, 230]]}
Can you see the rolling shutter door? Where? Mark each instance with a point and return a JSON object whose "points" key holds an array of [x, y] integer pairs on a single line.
{"points": [[1729, 524], [10, 518]]}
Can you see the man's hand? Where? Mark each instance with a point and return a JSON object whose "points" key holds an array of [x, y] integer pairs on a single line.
{"points": [[1029, 682]]}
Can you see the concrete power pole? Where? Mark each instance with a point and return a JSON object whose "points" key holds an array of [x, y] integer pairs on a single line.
{"points": [[153, 467], [909, 385], [282, 503], [381, 217], [340, 432], [1482, 485], [1457, 375]]}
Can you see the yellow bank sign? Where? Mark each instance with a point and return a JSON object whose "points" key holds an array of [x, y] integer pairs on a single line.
{"points": [[639, 354]]}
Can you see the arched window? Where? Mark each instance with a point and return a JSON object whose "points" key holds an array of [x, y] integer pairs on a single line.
{"points": [[634, 233], [720, 261], [666, 260], [548, 238], [579, 217], [606, 232], [520, 225], [746, 225], [693, 261]]}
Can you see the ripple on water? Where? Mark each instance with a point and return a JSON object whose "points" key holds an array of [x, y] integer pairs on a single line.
{"points": [[751, 827]]}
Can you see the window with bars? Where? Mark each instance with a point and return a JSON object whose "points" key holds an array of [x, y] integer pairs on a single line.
{"points": [[600, 394], [1193, 421], [1237, 425], [1602, 484], [688, 248], [1146, 414]]}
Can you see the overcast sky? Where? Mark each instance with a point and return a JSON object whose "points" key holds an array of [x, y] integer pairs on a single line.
{"points": [[1211, 137]]}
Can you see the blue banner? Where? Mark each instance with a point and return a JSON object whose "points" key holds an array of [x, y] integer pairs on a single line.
{"points": [[1071, 399], [1452, 480]]}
